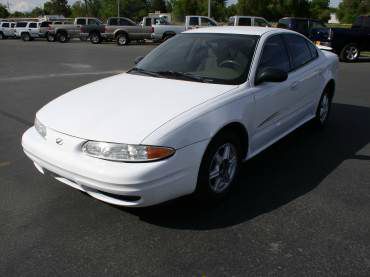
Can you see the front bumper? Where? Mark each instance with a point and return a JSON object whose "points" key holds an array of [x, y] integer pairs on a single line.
{"points": [[118, 183]]}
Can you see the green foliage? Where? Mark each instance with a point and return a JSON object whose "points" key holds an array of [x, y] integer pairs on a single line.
{"points": [[59, 7], [320, 9], [3, 11], [78, 9], [158, 5], [181, 8], [37, 12], [348, 10]]}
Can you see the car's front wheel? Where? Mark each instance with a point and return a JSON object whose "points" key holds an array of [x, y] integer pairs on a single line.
{"points": [[26, 37], [219, 167], [95, 38], [62, 37], [2, 36], [50, 37]]}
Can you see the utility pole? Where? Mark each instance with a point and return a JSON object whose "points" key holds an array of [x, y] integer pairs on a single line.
{"points": [[209, 8], [118, 7]]}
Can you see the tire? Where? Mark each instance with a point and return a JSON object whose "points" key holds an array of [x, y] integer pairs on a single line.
{"points": [[122, 39], [62, 37], [323, 110], [95, 38], [2, 36], [218, 171], [25, 37], [350, 53], [50, 37]]}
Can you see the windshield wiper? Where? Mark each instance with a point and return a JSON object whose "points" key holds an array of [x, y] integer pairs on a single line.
{"points": [[183, 75], [143, 71]]}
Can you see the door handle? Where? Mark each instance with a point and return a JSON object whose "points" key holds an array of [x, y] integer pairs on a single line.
{"points": [[294, 85]]}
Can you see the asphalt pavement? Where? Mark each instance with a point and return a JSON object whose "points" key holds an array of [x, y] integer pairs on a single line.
{"points": [[302, 207]]}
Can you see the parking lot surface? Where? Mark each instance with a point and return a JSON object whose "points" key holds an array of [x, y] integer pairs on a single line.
{"points": [[302, 207]]}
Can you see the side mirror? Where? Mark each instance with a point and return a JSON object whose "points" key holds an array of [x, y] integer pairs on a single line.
{"points": [[138, 59], [271, 75]]}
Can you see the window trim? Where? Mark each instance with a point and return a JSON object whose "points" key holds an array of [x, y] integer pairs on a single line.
{"points": [[263, 48]]}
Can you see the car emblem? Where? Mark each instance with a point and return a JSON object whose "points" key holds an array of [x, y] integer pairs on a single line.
{"points": [[59, 141]]}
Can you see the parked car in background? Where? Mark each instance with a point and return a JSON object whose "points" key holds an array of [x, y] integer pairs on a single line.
{"points": [[301, 25], [238, 20], [33, 30], [185, 117], [7, 30], [347, 43], [163, 31], [19, 25], [120, 29], [64, 32], [50, 33]]}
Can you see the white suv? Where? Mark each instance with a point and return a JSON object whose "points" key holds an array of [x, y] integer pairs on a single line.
{"points": [[7, 29]]}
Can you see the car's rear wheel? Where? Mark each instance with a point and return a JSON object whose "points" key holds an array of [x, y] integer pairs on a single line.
{"points": [[95, 38], [219, 168], [2, 36], [122, 39], [350, 53], [26, 37], [62, 37], [323, 109]]}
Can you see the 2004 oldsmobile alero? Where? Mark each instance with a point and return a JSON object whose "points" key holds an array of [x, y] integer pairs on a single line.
{"points": [[185, 117]]}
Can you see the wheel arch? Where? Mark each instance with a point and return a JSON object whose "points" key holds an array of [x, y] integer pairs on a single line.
{"points": [[330, 88], [168, 33], [237, 128], [117, 33]]}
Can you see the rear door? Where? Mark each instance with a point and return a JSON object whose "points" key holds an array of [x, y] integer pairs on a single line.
{"points": [[33, 29]]}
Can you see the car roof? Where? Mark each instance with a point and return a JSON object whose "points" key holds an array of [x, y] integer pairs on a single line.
{"points": [[242, 30]]}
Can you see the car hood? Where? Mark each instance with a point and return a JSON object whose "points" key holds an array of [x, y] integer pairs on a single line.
{"points": [[124, 108]]}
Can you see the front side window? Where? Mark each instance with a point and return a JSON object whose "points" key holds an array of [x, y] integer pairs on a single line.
{"points": [[207, 22], [5, 25], [260, 22], [45, 24], [317, 25], [302, 26], [213, 58], [13, 25], [299, 50], [33, 25], [21, 24], [274, 55], [92, 22], [245, 21]]}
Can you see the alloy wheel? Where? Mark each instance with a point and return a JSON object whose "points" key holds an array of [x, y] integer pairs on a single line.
{"points": [[324, 108], [223, 168]]}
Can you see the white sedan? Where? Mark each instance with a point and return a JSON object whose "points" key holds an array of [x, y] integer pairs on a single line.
{"points": [[185, 117]]}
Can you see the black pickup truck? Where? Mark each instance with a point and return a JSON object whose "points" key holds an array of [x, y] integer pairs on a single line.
{"points": [[346, 43]]}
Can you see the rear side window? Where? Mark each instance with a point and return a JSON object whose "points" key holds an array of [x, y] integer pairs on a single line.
{"points": [[274, 55], [299, 50], [113, 21], [45, 24], [245, 21], [194, 21], [13, 25], [313, 50], [301, 26], [6, 25], [33, 25], [148, 22], [21, 24], [81, 21], [92, 22]]}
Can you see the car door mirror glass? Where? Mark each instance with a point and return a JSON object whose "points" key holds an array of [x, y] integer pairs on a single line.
{"points": [[271, 75]]}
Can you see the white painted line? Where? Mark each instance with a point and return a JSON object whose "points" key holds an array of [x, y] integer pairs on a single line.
{"points": [[58, 75]]}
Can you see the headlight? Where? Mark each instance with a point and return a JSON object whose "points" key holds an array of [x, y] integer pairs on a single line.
{"points": [[40, 128], [126, 152]]}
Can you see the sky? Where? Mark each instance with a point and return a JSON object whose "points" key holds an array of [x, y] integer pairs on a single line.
{"points": [[28, 5]]}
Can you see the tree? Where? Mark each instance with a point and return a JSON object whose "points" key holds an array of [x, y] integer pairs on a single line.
{"points": [[158, 5], [348, 10], [78, 9], [37, 12], [3, 11], [181, 8], [320, 9], [59, 7]]}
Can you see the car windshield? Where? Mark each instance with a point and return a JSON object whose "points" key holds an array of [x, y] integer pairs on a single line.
{"points": [[201, 57]]}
